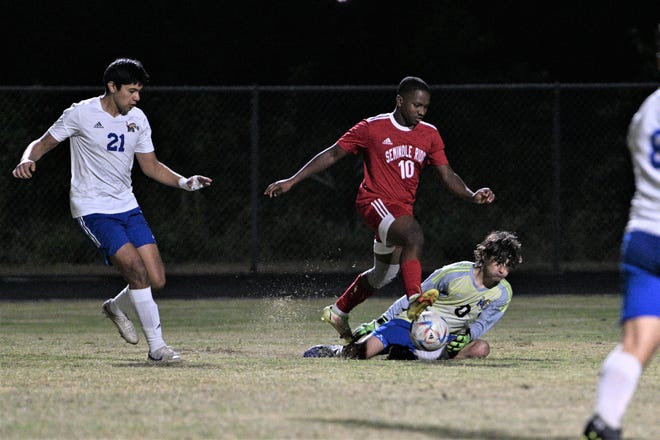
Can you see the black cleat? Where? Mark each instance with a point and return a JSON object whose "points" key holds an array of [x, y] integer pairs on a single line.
{"points": [[597, 429]]}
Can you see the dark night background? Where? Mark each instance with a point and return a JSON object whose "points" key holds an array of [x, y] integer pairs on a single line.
{"points": [[327, 42]]}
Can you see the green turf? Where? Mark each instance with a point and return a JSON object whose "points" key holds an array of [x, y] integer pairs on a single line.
{"points": [[66, 374]]}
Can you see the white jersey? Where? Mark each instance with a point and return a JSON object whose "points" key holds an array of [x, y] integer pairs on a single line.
{"points": [[103, 148], [644, 146]]}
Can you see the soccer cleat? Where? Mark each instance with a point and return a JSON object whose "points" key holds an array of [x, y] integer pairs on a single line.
{"points": [[121, 321], [164, 355], [597, 429], [368, 328], [340, 323], [420, 301], [323, 351]]}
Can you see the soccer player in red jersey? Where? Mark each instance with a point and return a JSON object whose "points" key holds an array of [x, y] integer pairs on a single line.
{"points": [[395, 146]]}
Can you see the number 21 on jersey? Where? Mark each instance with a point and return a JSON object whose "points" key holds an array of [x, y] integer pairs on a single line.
{"points": [[115, 142]]}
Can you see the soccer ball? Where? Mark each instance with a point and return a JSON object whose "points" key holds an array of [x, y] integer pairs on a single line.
{"points": [[430, 331]]}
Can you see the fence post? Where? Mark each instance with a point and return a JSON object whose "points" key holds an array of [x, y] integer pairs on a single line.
{"points": [[254, 180], [556, 178]]}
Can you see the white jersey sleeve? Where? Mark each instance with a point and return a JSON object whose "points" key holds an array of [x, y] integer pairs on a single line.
{"points": [[103, 148], [644, 145]]}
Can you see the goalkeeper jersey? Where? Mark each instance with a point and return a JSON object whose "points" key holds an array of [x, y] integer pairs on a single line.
{"points": [[461, 302]]}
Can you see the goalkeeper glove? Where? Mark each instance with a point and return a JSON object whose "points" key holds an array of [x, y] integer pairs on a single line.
{"points": [[459, 343], [368, 327], [419, 302]]}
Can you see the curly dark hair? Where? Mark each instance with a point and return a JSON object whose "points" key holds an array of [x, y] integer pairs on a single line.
{"points": [[504, 246]]}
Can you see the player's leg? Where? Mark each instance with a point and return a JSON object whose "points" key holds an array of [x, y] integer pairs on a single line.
{"points": [[153, 263], [373, 346], [621, 370], [392, 333], [640, 314], [107, 234], [641, 338], [122, 302], [476, 349], [139, 262], [131, 265], [384, 270], [379, 216], [407, 233]]}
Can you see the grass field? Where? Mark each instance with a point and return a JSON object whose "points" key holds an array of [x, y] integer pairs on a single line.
{"points": [[66, 374]]}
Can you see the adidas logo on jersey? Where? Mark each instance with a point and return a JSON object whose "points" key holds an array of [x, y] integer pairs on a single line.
{"points": [[98, 125], [387, 142]]}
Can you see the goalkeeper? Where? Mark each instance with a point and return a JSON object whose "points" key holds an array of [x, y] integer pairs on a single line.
{"points": [[473, 297]]}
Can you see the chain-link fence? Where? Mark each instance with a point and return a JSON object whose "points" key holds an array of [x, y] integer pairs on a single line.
{"points": [[554, 154]]}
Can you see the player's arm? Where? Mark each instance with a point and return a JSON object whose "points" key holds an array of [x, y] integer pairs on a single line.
{"points": [[155, 169], [457, 186], [489, 316], [35, 151], [320, 162]]}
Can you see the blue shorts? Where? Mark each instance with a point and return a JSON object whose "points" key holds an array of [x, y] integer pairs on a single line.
{"points": [[109, 232], [640, 269], [395, 332]]}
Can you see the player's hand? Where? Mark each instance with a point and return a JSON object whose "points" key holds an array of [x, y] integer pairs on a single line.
{"points": [[24, 169], [368, 328], [277, 188], [458, 343], [194, 183], [483, 195], [420, 301]]}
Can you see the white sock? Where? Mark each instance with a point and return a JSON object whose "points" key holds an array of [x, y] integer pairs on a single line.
{"points": [[147, 312], [123, 301], [618, 380], [338, 311]]}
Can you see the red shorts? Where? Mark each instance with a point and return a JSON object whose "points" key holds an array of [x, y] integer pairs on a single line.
{"points": [[379, 214]]}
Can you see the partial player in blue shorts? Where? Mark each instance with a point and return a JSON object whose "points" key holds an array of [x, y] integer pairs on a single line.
{"points": [[109, 232], [640, 270], [641, 275]]}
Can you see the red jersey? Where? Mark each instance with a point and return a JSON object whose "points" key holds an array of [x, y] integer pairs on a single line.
{"points": [[394, 156]]}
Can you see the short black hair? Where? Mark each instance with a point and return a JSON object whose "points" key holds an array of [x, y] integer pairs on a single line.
{"points": [[125, 71], [411, 84], [503, 246]]}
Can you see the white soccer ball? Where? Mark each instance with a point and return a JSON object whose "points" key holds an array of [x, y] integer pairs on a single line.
{"points": [[430, 331]]}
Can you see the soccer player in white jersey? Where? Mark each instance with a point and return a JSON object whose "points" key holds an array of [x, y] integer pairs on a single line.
{"points": [[640, 268], [106, 134], [395, 147], [472, 298]]}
